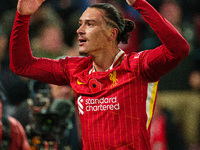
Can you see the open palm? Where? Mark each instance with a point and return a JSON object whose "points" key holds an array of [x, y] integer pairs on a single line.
{"points": [[28, 7]]}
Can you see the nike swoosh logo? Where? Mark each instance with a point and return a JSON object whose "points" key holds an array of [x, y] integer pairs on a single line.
{"points": [[79, 83]]}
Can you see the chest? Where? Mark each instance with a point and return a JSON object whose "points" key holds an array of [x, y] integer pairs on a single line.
{"points": [[99, 83], [108, 92]]}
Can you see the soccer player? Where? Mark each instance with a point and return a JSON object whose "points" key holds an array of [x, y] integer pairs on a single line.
{"points": [[115, 92]]}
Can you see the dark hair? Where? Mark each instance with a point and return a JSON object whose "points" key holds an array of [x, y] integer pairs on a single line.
{"points": [[114, 18]]}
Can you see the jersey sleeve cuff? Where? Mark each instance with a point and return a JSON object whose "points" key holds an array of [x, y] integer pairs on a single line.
{"points": [[22, 17]]}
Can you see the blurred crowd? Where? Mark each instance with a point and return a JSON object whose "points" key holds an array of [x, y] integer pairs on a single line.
{"points": [[53, 35]]}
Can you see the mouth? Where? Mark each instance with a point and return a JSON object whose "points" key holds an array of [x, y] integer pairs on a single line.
{"points": [[82, 41]]}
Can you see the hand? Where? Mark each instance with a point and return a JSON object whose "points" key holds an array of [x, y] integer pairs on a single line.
{"points": [[28, 7], [130, 2]]}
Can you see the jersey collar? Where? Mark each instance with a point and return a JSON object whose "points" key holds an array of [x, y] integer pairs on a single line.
{"points": [[118, 59]]}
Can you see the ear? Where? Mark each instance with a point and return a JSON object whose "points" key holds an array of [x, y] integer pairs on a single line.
{"points": [[113, 34]]}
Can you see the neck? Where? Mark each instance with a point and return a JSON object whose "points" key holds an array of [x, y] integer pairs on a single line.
{"points": [[104, 60]]}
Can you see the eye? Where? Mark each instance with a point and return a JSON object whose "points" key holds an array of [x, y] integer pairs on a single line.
{"points": [[90, 24]]}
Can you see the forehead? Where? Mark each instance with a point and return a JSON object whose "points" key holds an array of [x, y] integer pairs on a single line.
{"points": [[92, 14]]}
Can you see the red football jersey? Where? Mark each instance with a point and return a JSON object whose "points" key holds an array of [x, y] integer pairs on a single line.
{"points": [[115, 106]]}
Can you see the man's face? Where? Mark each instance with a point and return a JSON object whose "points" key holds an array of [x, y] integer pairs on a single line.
{"points": [[93, 33]]}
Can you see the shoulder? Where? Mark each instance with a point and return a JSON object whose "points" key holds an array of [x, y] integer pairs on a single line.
{"points": [[74, 59], [136, 56], [134, 61], [18, 133], [15, 125], [75, 64]]}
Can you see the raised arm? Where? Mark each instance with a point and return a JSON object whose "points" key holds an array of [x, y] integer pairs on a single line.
{"points": [[22, 61], [175, 48]]}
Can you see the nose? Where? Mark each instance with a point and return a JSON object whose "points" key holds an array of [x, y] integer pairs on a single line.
{"points": [[81, 29]]}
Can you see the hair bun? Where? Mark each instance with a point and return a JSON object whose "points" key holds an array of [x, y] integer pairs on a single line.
{"points": [[129, 26]]}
